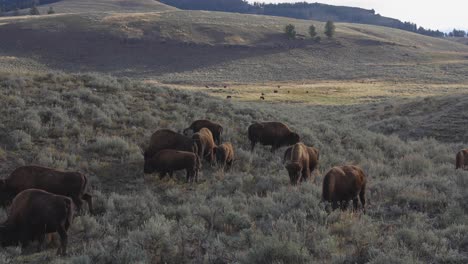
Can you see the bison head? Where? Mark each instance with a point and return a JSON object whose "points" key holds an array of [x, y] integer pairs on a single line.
{"points": [[148, 167], [294, 171], [187, 132], [293, 138]]}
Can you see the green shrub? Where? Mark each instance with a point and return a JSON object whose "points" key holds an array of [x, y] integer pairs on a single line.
{"points": [[290, 31], [330, 29]]}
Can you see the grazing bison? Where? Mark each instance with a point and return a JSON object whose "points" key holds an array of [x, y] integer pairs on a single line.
{"points": [[224, 155], [215, 128], [168, 139], [35, 213], [344, 183], [262, 97], [205, 144], [71, 184], [461, 159], [314, 156], [228, 97], [274, 134], [297, 164], [169, 160]]}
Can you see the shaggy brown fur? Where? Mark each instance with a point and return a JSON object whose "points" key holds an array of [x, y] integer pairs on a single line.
{"points": [[344, 183], [71, 184], [298, 164], [274, 134], [313, 157], [205, 144], [215, 128], [462, 159], [224, 155], [168, 139], [35, 213], [169, 160]]}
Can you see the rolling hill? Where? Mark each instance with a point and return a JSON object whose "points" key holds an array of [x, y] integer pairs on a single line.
{"points": [[200, 46], [90, 6]]}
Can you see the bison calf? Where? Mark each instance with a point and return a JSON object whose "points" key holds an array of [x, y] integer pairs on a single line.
{"points": [[35, 213], [205, 144], [298, 164], [215, 129], [274, 134], [313, 158], [169, 160], [462, 159], [224, 155], [344, 183], [71, 184]]}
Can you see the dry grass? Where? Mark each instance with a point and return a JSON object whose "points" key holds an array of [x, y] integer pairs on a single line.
{"points": [[325, 92], [417, 209]]}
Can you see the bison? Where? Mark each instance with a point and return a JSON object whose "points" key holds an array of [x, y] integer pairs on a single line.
{"points": [[71, 184], [314, 156], [169, 160], [215, 128], [35, 213], [168, 139], [297, 164], [205, 144], [224, 154], [274, 134], [462, 159], [344, 183]]}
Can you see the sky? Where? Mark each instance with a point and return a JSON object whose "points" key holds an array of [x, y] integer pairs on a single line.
{"points": [[434, 14]]}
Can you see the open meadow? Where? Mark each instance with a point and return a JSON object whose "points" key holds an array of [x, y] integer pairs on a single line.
{"points": [[84, 92]]}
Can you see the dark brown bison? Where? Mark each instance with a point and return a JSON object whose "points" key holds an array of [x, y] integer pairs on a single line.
{"points": [[274, 134], [71, 184], [461, 159], [205, 144], [35, 213], [344, 183], [169, 160], [168, 139], [224, 155], [314, 156], [215, 128], [297, 163]]}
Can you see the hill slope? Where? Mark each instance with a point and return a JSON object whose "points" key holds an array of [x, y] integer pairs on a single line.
{"points": [[94, 124], [203, 46], [90, 6]]}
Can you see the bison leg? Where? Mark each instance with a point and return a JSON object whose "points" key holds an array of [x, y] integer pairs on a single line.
{"points": [[334, 205], [252, 145], [344, 205], [40, 243], [62, 250], [355, 203], [362, 197], [229, 165], [89, 199], [78, 202]]}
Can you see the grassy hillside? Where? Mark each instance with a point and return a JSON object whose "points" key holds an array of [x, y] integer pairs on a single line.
{"points": [[210, 47], [93, 6], [95, 124]]}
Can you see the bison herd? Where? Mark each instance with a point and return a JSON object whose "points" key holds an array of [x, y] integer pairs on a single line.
{"points": [[44, 200]]}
